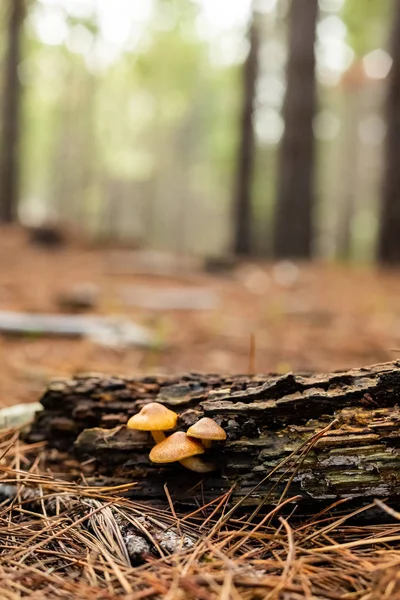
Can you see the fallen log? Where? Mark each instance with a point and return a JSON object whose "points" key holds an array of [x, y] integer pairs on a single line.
{"points": [[320, 437]]}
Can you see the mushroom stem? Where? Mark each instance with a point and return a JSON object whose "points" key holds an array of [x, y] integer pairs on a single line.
{"points": [[206, 443], [158, 436], [193, 463]]}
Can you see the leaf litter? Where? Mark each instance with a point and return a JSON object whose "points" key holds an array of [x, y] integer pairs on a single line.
{"points": [[65, 539]]}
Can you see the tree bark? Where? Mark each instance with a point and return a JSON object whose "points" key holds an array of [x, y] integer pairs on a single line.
{"points": [[348, 185], [9, 157], [245, 160], [295, 197], [319, 437], [389, 234]]}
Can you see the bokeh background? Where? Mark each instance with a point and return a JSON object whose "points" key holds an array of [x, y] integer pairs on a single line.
{"points": [[223, 173]]}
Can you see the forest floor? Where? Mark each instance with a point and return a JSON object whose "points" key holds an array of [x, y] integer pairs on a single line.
{"points": [[64, 540], [316, 317]]}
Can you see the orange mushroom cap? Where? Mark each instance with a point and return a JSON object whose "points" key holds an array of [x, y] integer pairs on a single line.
{"points": [[153, 417], [176, 447], [207, 429]]}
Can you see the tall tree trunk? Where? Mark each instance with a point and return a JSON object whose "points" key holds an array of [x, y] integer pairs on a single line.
{"points": [[9, 172], [349, 173], [295, 198], [389, 235], [245, 159]]}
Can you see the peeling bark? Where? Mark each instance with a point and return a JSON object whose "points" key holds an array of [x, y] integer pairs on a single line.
{"points": [[271, 423]]}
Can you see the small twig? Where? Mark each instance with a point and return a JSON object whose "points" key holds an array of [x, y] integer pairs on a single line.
{"points": [[171, 505], [252, 355]]}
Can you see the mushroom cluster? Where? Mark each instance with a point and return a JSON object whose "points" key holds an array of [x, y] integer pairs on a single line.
{"points": [[179, 446]]}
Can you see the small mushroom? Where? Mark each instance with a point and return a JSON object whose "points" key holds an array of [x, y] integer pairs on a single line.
{"points": [[182, 448], [154, 417], [207, 430]]}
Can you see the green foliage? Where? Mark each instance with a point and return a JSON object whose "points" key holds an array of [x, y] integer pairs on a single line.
{"points": [[366, 22], [162, 113]]}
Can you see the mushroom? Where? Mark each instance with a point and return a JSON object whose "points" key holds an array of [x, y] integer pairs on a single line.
{"points": [[182, 448], [207, 430], [154, 417]]}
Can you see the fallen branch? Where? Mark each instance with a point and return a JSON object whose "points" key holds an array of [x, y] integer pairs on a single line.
{"points": [[273, 423]]}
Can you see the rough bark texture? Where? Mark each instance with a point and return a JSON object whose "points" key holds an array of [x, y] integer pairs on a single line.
{"points": [[266, 418], [389, 235], [9, 173], [295, 199], [245, 160]]}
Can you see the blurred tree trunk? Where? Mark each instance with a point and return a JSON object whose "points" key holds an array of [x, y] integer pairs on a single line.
{"points": [[295, 198], [245, 159], [349, 173], [9, 158], [389, 235]]}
